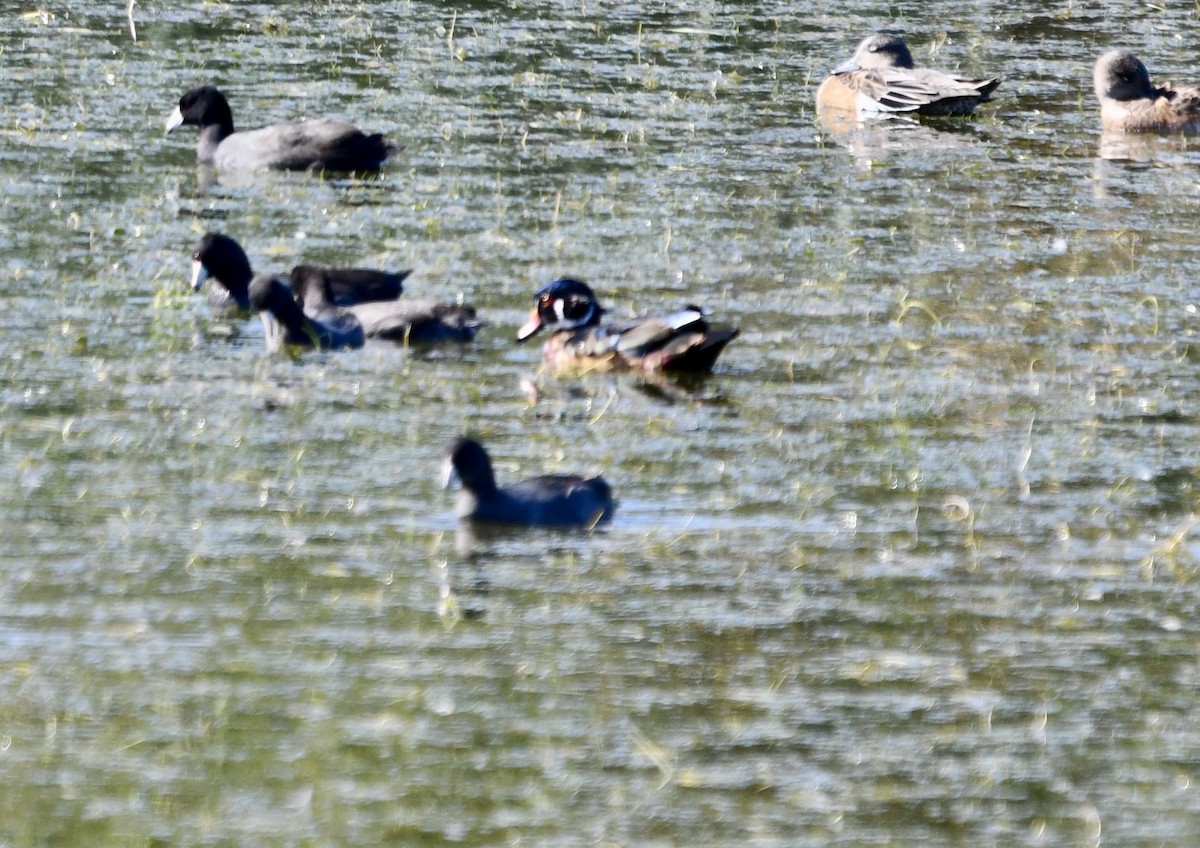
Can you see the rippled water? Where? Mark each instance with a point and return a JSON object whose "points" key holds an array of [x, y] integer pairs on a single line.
{"points": [[916, 565]]}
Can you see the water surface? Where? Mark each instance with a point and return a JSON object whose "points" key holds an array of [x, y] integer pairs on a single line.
{"points": [[915, 566]]}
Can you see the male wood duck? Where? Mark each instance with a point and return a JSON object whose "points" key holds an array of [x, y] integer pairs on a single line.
{"points": [[880, 80], [683, 341], [1129, 102], [221, 259], [405, 321], [552, 500], [284, 321]]}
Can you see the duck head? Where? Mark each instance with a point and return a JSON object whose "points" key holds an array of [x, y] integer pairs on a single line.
{"points": [[564, 304]]}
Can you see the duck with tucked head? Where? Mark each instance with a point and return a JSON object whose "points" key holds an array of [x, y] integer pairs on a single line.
{"points": [[552, 500], [221, 259], [405, 321], [881, 80], [318, 144], [284, 321], [568, 308], [1129, 102]]}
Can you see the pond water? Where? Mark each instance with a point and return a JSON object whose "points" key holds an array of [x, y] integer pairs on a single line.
{"points": [[916, 565]]}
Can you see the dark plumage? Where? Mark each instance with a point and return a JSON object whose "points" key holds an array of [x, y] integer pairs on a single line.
{"points": [[319, 144], [405, 321], [547, 501], [222, 259], [683, 341], [284, 322]]}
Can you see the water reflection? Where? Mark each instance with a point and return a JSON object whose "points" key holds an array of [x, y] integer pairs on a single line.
{"points": [[850, 594], [463, 584], [1143, 147], [871, 140], [466, 581], [1132, 147], [359, 189]]}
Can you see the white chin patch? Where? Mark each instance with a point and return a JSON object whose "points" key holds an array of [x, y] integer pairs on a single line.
{"points": [[571, 323]]}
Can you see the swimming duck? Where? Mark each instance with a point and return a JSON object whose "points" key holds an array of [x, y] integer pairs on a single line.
{"points": [[222, 259], [1129, 102], [880, 80], [683, 341], [284, 321], [405, 321], [552, 500], [318, 144]]}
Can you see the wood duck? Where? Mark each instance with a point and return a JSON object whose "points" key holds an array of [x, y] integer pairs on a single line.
{"points": [[683, 341], [319, 144], [284, 321], [552, 500], [880, 80], [405, 321], [221, 259]]}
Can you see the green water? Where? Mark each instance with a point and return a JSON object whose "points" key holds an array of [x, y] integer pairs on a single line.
{"points": [[915, 566]]}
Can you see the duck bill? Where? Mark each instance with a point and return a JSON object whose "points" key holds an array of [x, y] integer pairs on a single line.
{"points": [[530, 327], [449, 473], [846, 67], [275, 335], [175, 120], [199, 274]]}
